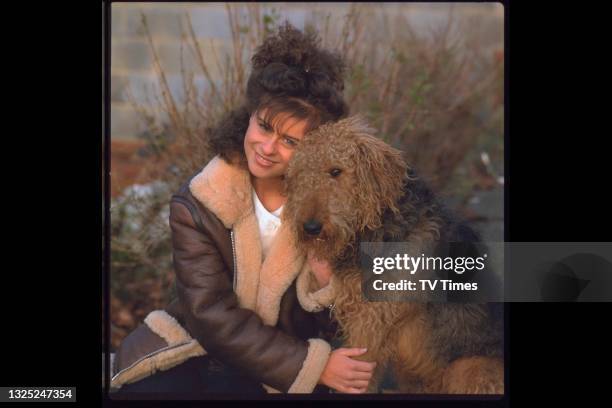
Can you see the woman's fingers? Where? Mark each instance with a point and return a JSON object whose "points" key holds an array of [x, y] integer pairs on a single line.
{"points": [[347, 374], [360, 375], [357, 365], [359, 384], [352, 352], [363, 366], [353, 390], [356, 384]]}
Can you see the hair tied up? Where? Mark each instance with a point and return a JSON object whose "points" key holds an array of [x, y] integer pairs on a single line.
{"points": [[278, 77]]}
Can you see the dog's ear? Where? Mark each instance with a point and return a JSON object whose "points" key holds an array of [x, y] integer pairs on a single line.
{"points": [[380, 171]]}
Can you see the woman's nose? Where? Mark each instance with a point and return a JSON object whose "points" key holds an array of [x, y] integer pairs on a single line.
{"points": [[269, 146]]}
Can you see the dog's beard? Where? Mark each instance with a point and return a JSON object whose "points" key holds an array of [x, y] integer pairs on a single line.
{"points": [[327, 245], [318, 245]]}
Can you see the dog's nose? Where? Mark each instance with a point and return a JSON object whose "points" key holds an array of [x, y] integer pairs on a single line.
{"points": [[312, 227]]}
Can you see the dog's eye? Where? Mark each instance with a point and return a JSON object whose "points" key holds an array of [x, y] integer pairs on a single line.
{"points": [[335, 172]]}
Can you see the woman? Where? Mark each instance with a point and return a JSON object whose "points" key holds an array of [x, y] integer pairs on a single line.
{"points": [[237, 323]]}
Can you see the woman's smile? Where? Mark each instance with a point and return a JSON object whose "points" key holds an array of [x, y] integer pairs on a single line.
{"points": [[262, 161]]}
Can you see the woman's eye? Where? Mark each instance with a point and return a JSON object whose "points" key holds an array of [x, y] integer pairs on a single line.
{"points": [[335, 172], [265, 126], [290, 142]]}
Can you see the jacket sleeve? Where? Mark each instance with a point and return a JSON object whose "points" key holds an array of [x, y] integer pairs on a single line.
{"points": [[311, 297], [235, 335]]}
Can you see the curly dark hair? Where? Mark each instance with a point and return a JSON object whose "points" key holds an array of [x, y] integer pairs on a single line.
{"points": [[291, 74]]}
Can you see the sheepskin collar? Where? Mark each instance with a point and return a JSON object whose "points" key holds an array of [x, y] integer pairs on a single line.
{"points": [[226, 190]]}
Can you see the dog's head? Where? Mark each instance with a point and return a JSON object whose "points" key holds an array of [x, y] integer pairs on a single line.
{"points": [[339, 182]]}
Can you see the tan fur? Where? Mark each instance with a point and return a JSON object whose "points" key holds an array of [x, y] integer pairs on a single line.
{"points": [[473, 375], [395, 333], [248, 261], [372, 179], [166, 326], [318, 353]]}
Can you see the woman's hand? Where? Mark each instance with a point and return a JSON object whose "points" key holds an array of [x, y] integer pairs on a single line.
{"points": [[321, 269], [347, 375]]}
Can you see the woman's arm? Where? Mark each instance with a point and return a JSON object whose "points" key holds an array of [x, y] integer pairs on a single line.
{"points": [[233, 334], [315, 286], [321, 270], [316, 290]]}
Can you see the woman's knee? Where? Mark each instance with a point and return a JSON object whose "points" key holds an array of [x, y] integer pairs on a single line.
{"points": [[185, 377]]}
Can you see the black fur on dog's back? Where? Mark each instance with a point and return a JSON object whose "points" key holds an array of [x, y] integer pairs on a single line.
{"points": [[457, 329]]}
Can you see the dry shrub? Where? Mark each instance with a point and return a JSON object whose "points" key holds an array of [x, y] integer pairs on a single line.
{"points": [[436, 95]]}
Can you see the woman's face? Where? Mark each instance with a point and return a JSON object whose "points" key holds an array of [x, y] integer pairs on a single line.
{"points": [[269, 150]]}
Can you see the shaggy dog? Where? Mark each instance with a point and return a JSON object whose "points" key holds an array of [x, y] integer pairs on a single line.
{"points": [[344, 187]]}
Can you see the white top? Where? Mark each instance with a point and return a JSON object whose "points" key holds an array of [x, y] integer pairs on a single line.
{"points": [[268, 223]]}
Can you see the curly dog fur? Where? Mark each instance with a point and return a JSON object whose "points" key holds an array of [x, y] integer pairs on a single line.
{"points": [[358, 188]]}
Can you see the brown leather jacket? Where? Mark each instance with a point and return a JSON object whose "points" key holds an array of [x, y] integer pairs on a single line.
{"points": [[231, 305]]}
